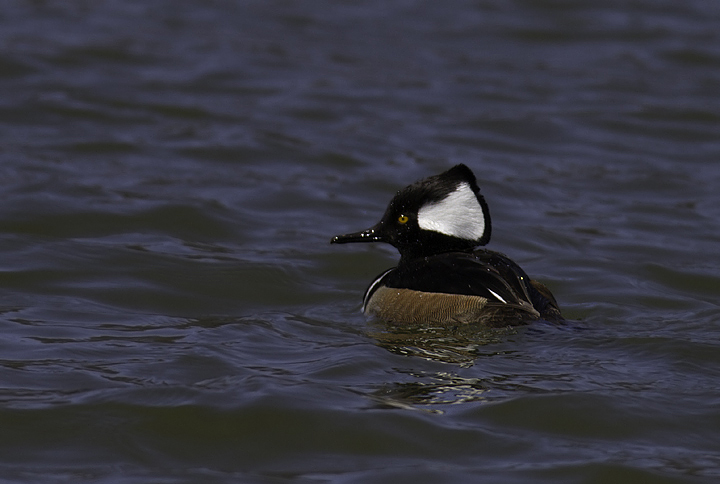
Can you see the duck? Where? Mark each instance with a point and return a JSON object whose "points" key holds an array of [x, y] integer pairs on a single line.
{"points": [[445, 276]]}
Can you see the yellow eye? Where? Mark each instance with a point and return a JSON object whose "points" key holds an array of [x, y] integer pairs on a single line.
{"points": [[403, 219]]}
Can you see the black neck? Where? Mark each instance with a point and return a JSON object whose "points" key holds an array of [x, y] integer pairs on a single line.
{"points": [[433, 244]]}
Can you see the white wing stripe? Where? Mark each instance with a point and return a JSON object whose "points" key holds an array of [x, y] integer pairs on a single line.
{"points": [[497, 296]]}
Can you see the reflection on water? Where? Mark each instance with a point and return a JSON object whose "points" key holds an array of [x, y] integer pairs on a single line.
{"points": [[436, 390], [459, 345]]}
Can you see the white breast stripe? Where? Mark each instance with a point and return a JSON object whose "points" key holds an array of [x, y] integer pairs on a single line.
{"points": [[459, 215], [372, 286]]}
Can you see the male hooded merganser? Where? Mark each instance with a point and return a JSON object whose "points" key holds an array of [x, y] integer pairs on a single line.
{"points": [[436, 225]]}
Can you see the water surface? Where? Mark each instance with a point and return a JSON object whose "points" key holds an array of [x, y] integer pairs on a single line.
{"points": [[172, 172]]}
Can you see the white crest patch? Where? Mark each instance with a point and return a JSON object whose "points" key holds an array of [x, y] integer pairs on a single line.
{"points": [[459, 215]]}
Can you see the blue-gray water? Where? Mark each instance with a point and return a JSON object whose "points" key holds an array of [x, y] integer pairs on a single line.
{"points": [[171, 173]]}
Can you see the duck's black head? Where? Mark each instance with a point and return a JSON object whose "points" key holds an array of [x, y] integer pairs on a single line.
{"points": [[441, 213]]}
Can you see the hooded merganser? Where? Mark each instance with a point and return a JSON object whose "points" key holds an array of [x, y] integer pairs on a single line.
{"points": [[436, 225]]}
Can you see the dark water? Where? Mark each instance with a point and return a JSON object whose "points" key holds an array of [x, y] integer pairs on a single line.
{"points": [[171, 173]]}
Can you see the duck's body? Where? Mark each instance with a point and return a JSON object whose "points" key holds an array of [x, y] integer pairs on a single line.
{"points": [[459, 287], [436, 224]]}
